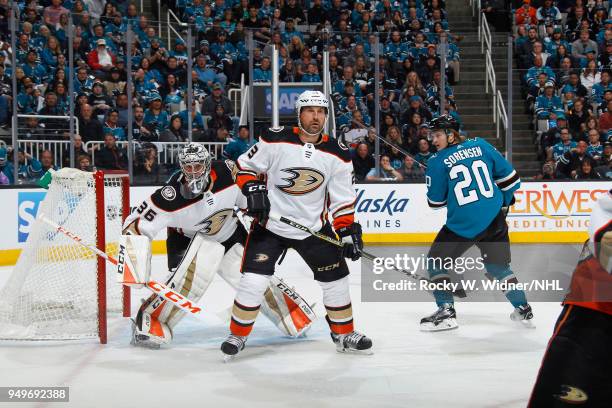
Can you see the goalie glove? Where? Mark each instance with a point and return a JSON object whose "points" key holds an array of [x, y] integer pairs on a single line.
{"points": [[351, 238], [258, 204]]}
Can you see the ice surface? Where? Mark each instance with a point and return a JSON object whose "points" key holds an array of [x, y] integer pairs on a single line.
{"points": [[489, 361]]}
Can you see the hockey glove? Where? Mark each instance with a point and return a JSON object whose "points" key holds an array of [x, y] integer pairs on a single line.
{"points": [[506, 207], [353, 243], [258, 204]]}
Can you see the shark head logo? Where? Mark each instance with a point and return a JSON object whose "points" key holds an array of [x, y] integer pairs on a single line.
{"points": [[213, 223], [301, 180]]}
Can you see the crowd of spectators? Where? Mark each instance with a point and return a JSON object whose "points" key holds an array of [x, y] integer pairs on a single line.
{"points": [[409, 33], [564, 52]]}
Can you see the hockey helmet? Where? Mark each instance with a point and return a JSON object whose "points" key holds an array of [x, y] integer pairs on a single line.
{"points": [[311, 98], [448, 125]]}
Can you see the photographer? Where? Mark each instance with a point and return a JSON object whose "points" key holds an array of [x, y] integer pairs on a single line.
{"points": [[147, 169]]}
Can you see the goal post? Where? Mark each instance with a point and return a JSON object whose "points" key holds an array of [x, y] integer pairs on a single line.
{"points": [[103, 179], [58, 290]]}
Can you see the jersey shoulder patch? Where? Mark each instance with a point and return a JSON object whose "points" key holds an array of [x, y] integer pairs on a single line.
{"points": [[336, 148], [281, 135], [169, 198], [224, 174]]}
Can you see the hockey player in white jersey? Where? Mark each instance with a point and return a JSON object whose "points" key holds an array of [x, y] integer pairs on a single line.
{"points": [[309, 176], [204, 238]]}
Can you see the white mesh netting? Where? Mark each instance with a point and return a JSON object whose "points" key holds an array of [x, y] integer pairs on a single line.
{"points": [[52, 292]]}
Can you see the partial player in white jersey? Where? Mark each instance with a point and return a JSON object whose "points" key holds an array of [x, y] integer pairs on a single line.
{"points": [[204, 238], [309, 176]]}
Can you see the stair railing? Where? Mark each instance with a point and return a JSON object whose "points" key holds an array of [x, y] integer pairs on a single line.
{"points": [[500, 117], [171, 29]]}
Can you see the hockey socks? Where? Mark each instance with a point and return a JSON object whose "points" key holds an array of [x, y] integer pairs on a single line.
{"points": [[247, 303], [503, 273], [337, 301], [443, 297]]}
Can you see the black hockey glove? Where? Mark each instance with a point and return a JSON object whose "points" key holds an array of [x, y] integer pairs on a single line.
{"points": [[258, 204], [353, 243], [506, 208]]}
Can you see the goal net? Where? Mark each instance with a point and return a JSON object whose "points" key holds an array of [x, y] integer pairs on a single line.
{"points": [[58, 289]]}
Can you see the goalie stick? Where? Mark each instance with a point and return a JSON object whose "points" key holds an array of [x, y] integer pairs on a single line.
{"points": [[460, 293], [156, 287]]}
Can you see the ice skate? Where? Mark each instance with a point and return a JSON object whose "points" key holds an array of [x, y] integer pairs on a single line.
{"points": [[523, 315], [444, 318], [232, 346], [142, 340], [353, 342]]}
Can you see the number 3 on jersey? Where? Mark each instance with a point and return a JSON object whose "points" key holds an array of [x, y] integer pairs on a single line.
{"points": [[478, 170]]}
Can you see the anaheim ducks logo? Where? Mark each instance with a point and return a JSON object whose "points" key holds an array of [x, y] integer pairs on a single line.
{"points": [[301, 180], [213, 224], [572, 395]]}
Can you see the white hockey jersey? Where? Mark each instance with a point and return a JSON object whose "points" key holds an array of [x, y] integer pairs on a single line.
{"points": [[305, 181], [210, 213]]}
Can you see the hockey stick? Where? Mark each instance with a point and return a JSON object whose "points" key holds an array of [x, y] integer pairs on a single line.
{"points": [[460, 293], [158, 288], [399, 149]]}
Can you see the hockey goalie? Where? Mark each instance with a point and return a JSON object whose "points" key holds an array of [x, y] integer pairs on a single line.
{"points": [[196, 206]]}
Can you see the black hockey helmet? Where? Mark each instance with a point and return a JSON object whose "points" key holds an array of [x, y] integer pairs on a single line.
{"points": [[448, 125], [444, 122]]}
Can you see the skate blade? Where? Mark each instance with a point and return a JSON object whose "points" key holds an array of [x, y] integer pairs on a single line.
{"points": [[449, 324], [227, 358], [142, 343], [367, 352], [527, 324]]}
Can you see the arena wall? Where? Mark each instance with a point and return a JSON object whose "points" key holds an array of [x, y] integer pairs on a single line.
{"points": [[389, 213]]}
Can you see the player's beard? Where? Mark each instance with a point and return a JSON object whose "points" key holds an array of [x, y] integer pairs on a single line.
{"points": [[314, 128]]}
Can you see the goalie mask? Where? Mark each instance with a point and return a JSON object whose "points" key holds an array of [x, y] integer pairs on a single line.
{"points": [[311, 98], [195, 162]]}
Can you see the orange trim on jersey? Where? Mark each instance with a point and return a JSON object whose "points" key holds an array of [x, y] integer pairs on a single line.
{"points": [[558, 328], [242, 179], [345, 206], [213, 176], [156, 327], [344, 221], [238, 329]]}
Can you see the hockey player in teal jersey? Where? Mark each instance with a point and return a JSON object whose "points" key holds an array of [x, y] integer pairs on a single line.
{"points": [[474, 182]]}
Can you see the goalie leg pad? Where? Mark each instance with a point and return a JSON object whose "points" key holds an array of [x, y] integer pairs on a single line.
{"points": [[157, 317], [282, 304], [287, 309], [194, 274], [229, 268]]}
